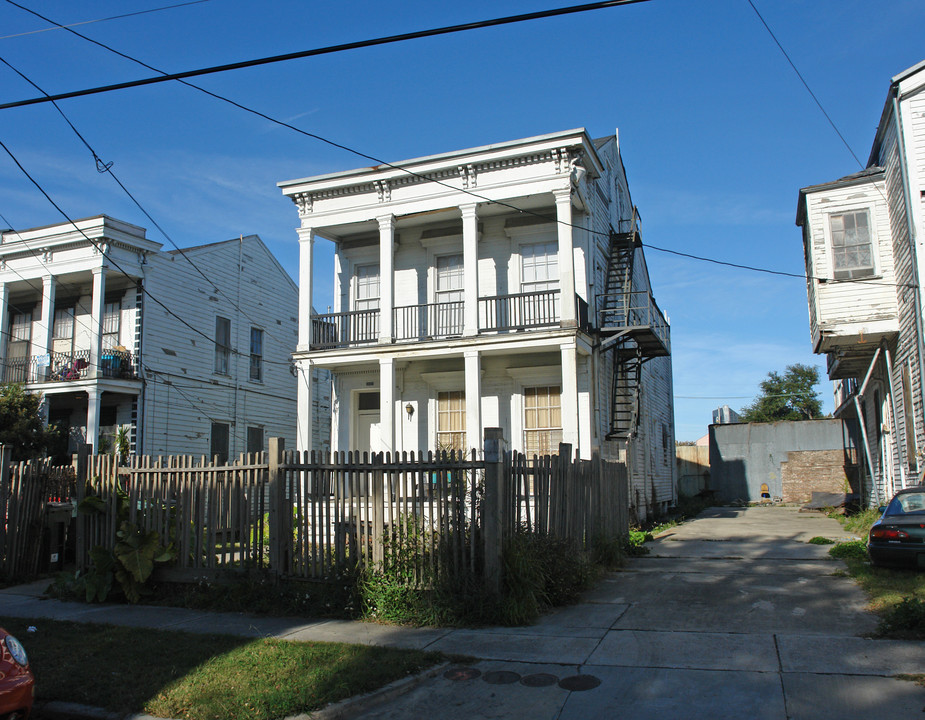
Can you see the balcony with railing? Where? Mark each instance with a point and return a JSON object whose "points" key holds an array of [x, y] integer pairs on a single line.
{"points": [[67, 367], [434, 321], [637, 316]]}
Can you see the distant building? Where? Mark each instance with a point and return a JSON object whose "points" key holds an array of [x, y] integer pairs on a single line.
{"points": [[500, 286], [862, 237], [725, 415], [122, 338]]}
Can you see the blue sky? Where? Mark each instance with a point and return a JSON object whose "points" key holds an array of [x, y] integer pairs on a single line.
{"points": [[717, 132]]}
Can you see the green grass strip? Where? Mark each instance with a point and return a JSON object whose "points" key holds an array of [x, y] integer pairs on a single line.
{"points": [[187, 675]]}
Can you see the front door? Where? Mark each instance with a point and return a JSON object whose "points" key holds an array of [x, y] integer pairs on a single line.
{"points": [[366, 430]]}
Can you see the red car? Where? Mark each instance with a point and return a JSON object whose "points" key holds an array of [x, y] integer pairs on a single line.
{"points": [[17, 685]]}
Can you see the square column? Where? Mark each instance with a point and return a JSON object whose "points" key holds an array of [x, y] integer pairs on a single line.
{"points": [[566, 257], [386, 405], [94, 395], [306, 265], [304, 405], [569, 397], [42, 343], [386, 280], [470, 222], [97, 304], [4, 326], [473, 400]]}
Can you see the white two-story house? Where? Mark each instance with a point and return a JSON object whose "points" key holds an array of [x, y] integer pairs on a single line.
{"points": [[862, 237], [179, 353], [499, 286]]}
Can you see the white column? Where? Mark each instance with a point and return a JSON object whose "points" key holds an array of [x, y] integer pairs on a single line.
{"points": [[585, 416], [42, 343], [473, 401], [306, 265], [93, 417], [4, 326], [304, 405], [97, 304], [471, 273], [569, 398], [566, 257], [386, 270], [386, 405]]}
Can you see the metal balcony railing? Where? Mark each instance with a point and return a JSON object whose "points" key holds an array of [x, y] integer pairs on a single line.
{"points": [[67, 367], [633, 312]]}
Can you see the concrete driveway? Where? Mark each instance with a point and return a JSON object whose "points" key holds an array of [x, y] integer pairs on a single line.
{"points": [[732, 615]]}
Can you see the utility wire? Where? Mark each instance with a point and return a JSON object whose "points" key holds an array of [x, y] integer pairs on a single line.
{"points": [[379, 161], [106, 168], [105, 19], [446, 30]]}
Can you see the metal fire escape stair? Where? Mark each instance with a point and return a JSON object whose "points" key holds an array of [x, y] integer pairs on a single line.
{"points": [[626, 326]]}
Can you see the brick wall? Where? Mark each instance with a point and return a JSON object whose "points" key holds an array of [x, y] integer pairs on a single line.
{"points": [[809, 471]]}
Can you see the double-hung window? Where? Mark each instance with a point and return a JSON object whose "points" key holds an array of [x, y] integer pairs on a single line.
{"points": [[451, 421], [542, 420], [112, 314], [449, 295], [539, 278], [222, 345], [17, 349], [366, 303], [852, 246], [62, 332], [256, 366]]}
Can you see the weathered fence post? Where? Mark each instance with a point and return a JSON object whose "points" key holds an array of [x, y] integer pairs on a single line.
{"points": [[6, 457], [492, 507], [277, 520], [81, 553]]}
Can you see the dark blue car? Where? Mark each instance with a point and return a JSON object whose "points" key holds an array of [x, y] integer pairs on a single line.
{"points": [[898, 537]]}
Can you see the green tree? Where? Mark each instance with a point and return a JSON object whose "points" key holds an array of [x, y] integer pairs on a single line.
{"points": [[21, 423], [791, 396]]}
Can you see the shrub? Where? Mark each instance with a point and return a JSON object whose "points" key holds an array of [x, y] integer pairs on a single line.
{"points": [[904, 620], [851, 549], [819, 540]]}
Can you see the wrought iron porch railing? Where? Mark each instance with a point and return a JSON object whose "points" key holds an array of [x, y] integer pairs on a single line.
{"points": [[67, 367]]}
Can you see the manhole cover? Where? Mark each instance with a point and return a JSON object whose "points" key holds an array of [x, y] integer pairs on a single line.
{"points": [[500, 677], [462, 673], [539, 680], [577, 683]]}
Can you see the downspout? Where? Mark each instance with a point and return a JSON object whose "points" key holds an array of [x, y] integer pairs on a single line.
{"points": [[910, 222], [898, 443]]}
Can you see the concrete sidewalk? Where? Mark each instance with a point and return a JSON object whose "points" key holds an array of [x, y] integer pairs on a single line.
{"points": [[732, 615]]}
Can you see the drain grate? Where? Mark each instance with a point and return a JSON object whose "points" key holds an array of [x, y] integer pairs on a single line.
{"points": [[578, 683], [462, 673], [501, 677], [539, 680]]}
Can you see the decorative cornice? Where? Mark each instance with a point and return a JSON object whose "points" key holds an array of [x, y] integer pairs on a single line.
{"points": [[467, 174]]}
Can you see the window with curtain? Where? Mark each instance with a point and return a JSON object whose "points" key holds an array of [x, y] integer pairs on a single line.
{"points": [[542, 420], [451, 421]]}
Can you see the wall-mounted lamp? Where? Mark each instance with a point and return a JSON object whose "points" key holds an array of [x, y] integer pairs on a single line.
{"points": [[409, 408]]}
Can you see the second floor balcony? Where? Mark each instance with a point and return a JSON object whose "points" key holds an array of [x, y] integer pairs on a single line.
{"points": [[436, 321], [67, 367]]}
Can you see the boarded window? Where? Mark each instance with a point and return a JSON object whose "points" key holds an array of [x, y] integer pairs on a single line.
{"points": [[254, 439], [451, 421], [222, 345], [852, 250], [542, 420], [218, 446]]}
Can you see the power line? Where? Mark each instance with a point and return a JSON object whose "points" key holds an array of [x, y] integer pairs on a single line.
{"points": [[105, 19], [342, 47], [106, 168], [166, 76]]}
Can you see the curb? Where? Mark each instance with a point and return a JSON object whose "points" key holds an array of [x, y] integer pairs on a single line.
{"points": [[347, 708], [352, 707]]}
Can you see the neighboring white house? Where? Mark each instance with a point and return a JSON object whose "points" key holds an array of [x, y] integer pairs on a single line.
{"points": [[862, 238], [189, 358], [500, 286]]}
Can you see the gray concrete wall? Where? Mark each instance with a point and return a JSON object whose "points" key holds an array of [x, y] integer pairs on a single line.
{"points": [[747, 455]]}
